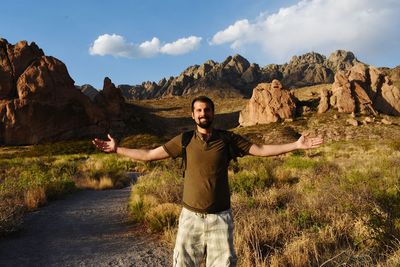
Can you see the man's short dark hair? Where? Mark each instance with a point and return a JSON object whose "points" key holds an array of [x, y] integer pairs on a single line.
{"points": [[203, 99]]}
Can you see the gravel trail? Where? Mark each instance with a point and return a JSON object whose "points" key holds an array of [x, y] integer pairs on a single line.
{"points": [[88, 228]]}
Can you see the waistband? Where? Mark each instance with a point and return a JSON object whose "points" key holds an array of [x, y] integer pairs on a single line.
{"points": [[213, 211], [204, 214]]}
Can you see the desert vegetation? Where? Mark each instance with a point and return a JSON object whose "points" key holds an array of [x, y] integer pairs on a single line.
{"points": [[337, 205], [32, 176]]}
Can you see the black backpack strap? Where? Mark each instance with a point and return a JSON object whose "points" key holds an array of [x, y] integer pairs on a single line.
{"points": [[227, 137], [186, 138]]}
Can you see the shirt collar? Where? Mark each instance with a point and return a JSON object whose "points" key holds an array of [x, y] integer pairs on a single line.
{"points": [[200, 136]]}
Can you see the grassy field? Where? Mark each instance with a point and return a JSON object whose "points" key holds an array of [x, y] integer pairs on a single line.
{"points": [[336, 205]]}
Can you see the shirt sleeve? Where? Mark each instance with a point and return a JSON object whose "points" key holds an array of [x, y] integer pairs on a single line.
{"points": [[174, 147], [241, 144]]}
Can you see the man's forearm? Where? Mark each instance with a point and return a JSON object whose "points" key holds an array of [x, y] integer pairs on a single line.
{"points": [[136, 154], [273, 150]]}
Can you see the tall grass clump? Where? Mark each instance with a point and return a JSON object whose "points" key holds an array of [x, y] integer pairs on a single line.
{"points": [[104, 171], [155, 197]]}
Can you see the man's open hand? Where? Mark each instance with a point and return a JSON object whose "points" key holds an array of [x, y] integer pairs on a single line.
{"points": [[306, 142], [108, 146]]}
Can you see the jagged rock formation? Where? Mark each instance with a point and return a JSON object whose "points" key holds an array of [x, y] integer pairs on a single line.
{"points": [[238, 75], [364, 89], [38, 99], [111, 101], [313, 68], [306, 70], [269, 103], [88, 90], [393, 74]]}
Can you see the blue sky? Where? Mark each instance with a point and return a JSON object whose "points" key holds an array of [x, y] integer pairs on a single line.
{"points": [[135, 41]]}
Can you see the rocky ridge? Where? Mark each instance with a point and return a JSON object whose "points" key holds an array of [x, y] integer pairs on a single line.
{"points": [[237, 74]]}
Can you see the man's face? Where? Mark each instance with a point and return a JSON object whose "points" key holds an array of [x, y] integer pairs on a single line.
{"points": [[202, 114]]}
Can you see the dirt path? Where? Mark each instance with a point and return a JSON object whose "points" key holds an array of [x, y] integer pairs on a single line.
{"points": [[88, 228]]}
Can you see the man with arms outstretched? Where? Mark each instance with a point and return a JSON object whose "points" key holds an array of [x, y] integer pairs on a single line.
{"points": [[206, 221]]}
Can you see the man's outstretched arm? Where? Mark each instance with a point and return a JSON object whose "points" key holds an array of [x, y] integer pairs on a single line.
{"points": [[110, 146], [303, 142]]}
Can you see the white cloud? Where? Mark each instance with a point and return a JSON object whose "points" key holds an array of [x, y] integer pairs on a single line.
{"points": [[233, 33], [181, 46], [149, 48], [116, 45], [318, 25]]}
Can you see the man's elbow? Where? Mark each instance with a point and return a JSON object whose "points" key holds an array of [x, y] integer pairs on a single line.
{"points": [[258, 150]]}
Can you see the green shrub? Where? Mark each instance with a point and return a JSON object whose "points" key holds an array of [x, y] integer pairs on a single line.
{"points": [[246, 182]]}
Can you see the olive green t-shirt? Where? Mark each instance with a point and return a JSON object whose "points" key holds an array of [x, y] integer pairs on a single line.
{"points": [[206, 187]]}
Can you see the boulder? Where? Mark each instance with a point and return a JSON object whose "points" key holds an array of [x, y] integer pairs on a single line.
{"points": [[352, 122], [341, 94], [269, 103], [386, 121], [324, 100], [388, 101]]}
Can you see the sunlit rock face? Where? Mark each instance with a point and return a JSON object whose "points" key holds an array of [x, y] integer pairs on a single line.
{"points": [[269, 103], [39, 102]]}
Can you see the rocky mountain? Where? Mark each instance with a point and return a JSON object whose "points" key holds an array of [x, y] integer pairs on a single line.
{"points": [[236, 74], [39, 102]]}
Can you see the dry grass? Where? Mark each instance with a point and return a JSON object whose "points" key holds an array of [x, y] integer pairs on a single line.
{"points": [[100, 172], [34, 197], [97, 184], [339, 205], [162, 217], [11, 214]]}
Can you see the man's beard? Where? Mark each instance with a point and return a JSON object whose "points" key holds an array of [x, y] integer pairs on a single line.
{"points": [[205, 124]]}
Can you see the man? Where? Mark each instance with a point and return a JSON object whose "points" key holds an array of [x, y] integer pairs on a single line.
{"points": [[206, 222]]}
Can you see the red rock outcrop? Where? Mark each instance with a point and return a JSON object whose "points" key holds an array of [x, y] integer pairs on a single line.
{"points": [[364, 89], [38, 99], [111, 101], [269, 103]]}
